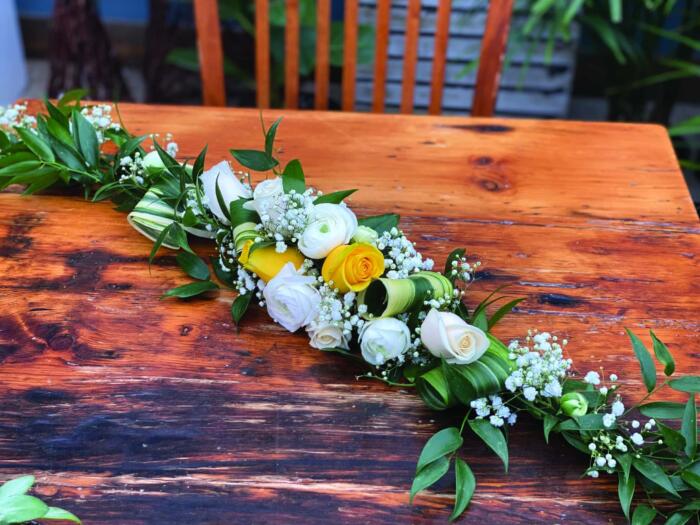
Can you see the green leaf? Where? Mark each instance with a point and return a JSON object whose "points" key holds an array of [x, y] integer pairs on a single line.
{"points": [[549, 422], [16, 487], [380, 223], [40, 148], [226, 277], [198, 166], [193, 265], [238, 214], [253, 159], [168, 230], [663, 355], [19, 509], [645, 361], [643, 515], [480, 320], [616, 11], [672, 438], [625, 460], [465, 484], [692, 479], [191, 289], [663, 410], [502, 311], [625, 491], [56, 114], [679, 518], [55, 513], [293, 177], [85, 137], [434, 390], [455, 255], [654, 473], [226, 210], [240, 306], [73, 95], [440, 444], [687, 127], [67, 154], [334, 198], [270, 137], [429, 475], [4, 140], [686, 384], [493, 437], [20, 167], [689, 427]]}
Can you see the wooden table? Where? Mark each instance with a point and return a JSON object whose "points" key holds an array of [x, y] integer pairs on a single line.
{"points": [[135, 410]]}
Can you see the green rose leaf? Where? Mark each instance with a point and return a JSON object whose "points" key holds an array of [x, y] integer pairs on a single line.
{"points": [[654, 473], [334, 198], [190, 290], [643, 515], [19, 509], [429, 475], [663, 410], [380, 223], [493, 437], [254, 160], [645, 361], [240, 306], [293, 177], [689, 427], [465, 484], [686, 384], [625, 491], [16, 487], [193, 265], [440, 444], [37, 146], [55, 513], [663, 354]]}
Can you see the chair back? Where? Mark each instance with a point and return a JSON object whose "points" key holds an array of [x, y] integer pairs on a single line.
{"points": [[493, 48]]}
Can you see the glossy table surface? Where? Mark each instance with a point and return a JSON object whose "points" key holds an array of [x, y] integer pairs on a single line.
{"points": [[136, 410]]}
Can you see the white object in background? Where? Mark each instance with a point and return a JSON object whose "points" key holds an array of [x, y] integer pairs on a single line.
{"points": [[13, 68]]}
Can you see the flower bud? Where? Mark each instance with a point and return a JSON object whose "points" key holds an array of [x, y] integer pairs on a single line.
{"points": [[574, 404], [365, 234]]}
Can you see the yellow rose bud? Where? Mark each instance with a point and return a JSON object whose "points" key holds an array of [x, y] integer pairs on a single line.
{"points": [[266, 262], [352, 267]]}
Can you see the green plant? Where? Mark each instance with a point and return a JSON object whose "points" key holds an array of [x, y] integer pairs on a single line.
{"points": [[242, 12], [16, 506]]}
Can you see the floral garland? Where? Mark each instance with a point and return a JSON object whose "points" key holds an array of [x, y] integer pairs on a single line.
{"points": [[359, 287]]}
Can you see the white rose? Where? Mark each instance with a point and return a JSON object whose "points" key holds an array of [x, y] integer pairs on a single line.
{"points": [[264, 196], [384, 339], [331, 225], [326, 335], [231, 188], [291, 299], [448, 336]]}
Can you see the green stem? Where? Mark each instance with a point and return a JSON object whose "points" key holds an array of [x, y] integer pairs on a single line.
{"points": [[646, 397]]}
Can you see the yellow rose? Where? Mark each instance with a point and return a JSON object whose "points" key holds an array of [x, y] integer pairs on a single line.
{"points": [[352, 267], [266, 262]]}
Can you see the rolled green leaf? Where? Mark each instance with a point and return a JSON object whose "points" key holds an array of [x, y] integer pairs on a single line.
{"points": [[152, 215], [243, 233], [389, 297], [434, 389]]}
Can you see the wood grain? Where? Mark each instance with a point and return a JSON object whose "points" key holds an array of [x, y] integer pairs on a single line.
{"points": [[262, 53], [350, 31], [211, 54], [323, 50], [381, 55], [442, 35], [134, 410], [291, 54], [493, 49], [410, 56]]}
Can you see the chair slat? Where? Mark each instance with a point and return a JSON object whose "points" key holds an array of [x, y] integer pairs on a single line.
{"points": [[410, 56], [381, 55], [442, 34], [349, 55], [262, 53], [211, 55], [291, 55], [493, 48], [323, 49]]}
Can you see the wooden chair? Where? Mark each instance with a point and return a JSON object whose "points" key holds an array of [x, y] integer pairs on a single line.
{"points": [[491, 59]]}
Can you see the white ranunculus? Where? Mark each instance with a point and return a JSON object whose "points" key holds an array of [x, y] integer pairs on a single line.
{"points": [[448, 336], [326, 335], [291, 298], [231, 188], [264, 196], [331, 225], [384, 339]]}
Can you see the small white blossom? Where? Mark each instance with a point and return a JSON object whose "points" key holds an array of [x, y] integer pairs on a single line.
{"points": [[592, 378], [608, 420], [637, 439]]}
